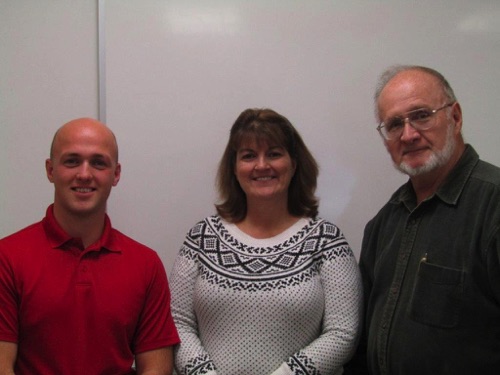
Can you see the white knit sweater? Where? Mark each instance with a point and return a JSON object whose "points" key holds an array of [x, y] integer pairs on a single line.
{"points": [[289, 304]]}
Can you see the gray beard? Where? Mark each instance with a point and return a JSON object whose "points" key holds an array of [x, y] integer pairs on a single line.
{"points": [[436, 160]]}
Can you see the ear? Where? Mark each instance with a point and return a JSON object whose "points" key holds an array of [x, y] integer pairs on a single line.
{"points": [[456, 116], [49, 168], [118, 171]]}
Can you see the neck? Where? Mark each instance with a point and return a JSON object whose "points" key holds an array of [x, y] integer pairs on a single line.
{"points": [[88, 228], [266, 219]]}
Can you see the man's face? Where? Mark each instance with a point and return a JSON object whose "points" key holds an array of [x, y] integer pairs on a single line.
{"points": [[420, 152], [83, 168]]}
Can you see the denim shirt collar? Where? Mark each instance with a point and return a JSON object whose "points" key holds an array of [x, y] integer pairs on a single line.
{"points": [[452, 187]]}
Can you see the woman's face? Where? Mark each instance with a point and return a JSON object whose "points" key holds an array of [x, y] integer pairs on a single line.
{"points": [[263, 171]]}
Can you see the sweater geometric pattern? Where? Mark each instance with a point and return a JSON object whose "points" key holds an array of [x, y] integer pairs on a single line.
{"points": [[232, 264]]}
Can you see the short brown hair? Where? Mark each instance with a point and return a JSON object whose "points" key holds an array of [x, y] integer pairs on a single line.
{"points": [[269, 126]]}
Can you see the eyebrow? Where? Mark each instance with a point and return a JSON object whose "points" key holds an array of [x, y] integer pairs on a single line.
{"points": [[417, 109]]}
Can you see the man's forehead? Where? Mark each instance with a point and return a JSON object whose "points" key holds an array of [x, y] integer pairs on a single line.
{"points": [[76, 150], [75, 153], [413, 87], [411, 80], [85, 138]]}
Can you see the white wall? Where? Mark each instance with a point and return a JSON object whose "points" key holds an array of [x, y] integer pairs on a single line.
{"points": [[48, 62], [178, 73]]}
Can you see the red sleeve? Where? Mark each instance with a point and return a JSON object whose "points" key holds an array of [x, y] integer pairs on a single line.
{"points": [[8, 301], [156, 328]]}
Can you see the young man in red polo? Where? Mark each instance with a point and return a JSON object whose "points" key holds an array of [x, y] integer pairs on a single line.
{"points": [[76, 295]]}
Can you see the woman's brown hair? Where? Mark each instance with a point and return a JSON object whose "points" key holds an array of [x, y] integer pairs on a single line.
{"points": [[271, 127]]}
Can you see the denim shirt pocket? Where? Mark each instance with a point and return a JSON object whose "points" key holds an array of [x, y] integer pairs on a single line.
{"points": [[437, 295]]}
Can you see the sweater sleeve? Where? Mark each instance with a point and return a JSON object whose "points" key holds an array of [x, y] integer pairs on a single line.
{"points": [[190, 356], [337, 342]]}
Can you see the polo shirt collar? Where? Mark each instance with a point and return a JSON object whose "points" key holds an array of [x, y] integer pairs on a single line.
{"points": [[452, 187], [58, 237]]}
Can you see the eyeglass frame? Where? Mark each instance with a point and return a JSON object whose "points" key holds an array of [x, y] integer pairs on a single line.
{"points": [[406, 119]]}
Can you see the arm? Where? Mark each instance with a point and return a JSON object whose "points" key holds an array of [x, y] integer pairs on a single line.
{"points": [[155, 334], [154, 362], [190, 352], [8, 354], [358, 364], [8, 317], [337, 341], [493, 264]]}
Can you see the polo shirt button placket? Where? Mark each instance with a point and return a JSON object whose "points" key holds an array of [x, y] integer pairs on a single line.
{"points": [[83, 272]]}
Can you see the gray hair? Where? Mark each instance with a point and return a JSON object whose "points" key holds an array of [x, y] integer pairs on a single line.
{"points": [[394, 70]]}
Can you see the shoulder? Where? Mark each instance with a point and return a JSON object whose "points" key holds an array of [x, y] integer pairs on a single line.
{"points": [[23, 238], [478, 173], [487, 173], [324, 227], [131, 246], [212, 224], [329, 237], [481, 190], [482, 194], [393, 203], [203, 233], [140, 263]]}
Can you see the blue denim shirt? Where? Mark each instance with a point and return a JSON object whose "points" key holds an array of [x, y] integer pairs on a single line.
{"points": [[431, 274]]}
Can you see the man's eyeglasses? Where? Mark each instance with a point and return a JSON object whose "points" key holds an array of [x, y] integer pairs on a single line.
{"points": [[419, 119]]}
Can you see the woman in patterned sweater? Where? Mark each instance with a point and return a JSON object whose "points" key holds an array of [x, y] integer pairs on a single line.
{"points": [[265, 287]]}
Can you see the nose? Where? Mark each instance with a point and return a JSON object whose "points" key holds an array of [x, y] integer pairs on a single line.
{"points": [[261, 163], [84, 173], [409, 134]]}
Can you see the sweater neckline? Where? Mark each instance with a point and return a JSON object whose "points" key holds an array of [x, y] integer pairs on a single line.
{"points": [[241, 236]]}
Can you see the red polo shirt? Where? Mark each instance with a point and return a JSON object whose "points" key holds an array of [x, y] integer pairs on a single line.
{"points": [[81, 311]]}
